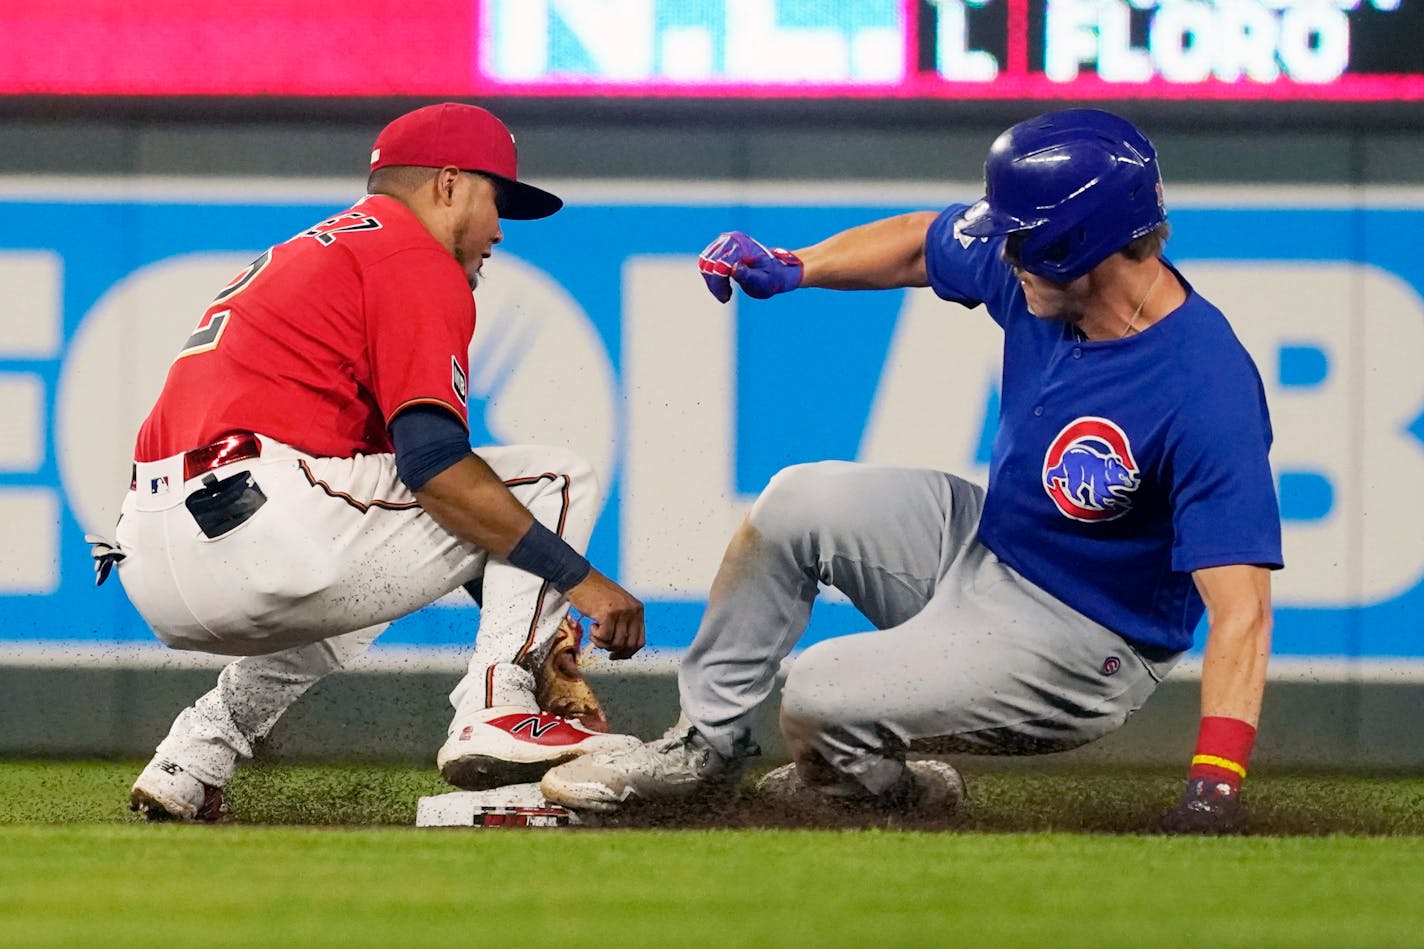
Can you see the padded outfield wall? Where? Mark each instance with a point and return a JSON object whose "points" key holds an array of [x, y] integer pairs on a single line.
{"points": [[595, 332]]}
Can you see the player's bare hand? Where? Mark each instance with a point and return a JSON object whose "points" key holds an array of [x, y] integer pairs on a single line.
{"points": [[615, 615], [1206, 807], [759, 271]]}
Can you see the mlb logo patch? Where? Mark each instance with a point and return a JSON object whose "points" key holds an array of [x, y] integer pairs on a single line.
{"points": [[458, 380], [158, 485]]}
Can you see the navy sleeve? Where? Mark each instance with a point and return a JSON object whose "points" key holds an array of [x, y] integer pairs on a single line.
{"points": [[967, 270], [428, 440], [1224, 506]]}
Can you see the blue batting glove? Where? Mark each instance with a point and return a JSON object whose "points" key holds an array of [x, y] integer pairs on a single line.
{"points": [[760, 272]]}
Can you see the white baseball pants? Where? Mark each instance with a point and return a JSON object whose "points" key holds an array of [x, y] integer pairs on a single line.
{"points": [[339, 550]]}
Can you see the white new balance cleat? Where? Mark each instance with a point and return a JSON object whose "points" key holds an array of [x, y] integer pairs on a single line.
{"points": [[164, 791], [511, 745], [677, 765], [928, 788]]}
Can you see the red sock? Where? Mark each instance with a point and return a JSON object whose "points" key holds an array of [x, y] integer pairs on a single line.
{"points": [[1223, 750]]}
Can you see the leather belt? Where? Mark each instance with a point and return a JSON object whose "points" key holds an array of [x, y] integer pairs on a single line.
{"points": [[224, 451]]}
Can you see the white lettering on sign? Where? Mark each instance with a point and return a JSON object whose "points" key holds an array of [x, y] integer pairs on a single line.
{"points": [[957, 61], [679, 498], [1193, 40], [1352, 428], [30, 330], [29, 563], [541, 368], [33, 282], [744, 40], [615, 36], [22, 421], [949, 407]]}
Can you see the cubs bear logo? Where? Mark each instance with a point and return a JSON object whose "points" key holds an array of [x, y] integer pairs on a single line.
{"points": [[1089, 471]]}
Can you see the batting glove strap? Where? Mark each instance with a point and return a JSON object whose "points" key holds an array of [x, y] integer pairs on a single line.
{"points": [[106, 556], [761, 272]]}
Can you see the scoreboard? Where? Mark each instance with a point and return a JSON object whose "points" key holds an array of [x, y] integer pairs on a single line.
{"points": [[1368, 50], [1242, 50]]}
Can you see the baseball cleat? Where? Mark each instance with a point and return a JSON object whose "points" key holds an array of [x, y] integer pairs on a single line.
{"points": [[164, 791], [511, 745], [928, 788], [677, 765]]}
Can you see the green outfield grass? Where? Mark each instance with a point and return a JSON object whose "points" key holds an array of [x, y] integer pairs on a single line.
{"points": [[116, 885], [77, 869]]}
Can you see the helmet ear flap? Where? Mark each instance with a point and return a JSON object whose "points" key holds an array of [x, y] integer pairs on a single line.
{"points": [[1047, 249], [1013, 247], [1058, 249]]}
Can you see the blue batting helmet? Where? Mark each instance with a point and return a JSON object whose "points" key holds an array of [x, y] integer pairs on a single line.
{"points": [[1069, 189]]}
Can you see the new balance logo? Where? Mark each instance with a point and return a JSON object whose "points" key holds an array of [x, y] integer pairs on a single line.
{"points": [[536, 729], [539, 728]]}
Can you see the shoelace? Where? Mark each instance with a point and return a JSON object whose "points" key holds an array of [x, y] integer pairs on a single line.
{"points": [[688, 736], [682, 739]]}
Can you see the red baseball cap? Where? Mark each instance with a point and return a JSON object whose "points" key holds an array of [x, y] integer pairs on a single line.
{"points": [[471, 139]]}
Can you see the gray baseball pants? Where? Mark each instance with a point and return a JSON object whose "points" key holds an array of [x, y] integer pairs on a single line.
{"points": [[967, 653]]}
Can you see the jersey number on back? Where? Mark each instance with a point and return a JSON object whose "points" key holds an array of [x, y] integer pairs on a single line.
{"points": [[326, 231], [210, 328]]}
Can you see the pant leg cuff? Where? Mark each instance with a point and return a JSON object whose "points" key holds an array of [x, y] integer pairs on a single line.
{"points": [[875, 774]]}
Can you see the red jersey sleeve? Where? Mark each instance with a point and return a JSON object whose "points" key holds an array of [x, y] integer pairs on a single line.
{"points": [[420, 315]]}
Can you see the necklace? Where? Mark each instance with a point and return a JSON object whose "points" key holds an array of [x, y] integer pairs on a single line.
{"points": [[1138, 312]]}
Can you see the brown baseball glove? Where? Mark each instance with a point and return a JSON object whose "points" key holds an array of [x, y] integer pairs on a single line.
{"points": [[560, 687]]}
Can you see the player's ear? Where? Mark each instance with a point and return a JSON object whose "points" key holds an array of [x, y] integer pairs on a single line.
{"points": [[445, 181]]}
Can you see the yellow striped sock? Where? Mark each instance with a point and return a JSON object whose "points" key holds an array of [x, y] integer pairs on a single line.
{"points": [[1215, 762]]}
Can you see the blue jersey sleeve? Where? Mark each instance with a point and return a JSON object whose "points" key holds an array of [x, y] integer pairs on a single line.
{"points": [[967, 270], [1224, 507]]}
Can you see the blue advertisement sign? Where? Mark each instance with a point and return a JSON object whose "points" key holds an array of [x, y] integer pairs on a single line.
{"points": [[595, 332]]}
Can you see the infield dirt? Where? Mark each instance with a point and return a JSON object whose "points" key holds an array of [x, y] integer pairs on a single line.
{"points": [[1103, 801]]}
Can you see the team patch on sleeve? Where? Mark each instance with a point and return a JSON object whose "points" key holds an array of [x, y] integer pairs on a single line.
{"points": [[459, 381]]}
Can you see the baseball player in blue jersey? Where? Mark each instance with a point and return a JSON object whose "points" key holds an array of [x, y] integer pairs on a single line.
{"points": [[1129, 491]]}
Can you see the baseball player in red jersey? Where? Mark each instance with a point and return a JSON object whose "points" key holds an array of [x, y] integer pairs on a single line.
{"points": [[306, 477]]}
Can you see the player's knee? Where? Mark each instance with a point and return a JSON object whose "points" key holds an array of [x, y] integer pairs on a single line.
{"points": [[796, 501], [565, 461], [811, 699], [572, 463]]}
